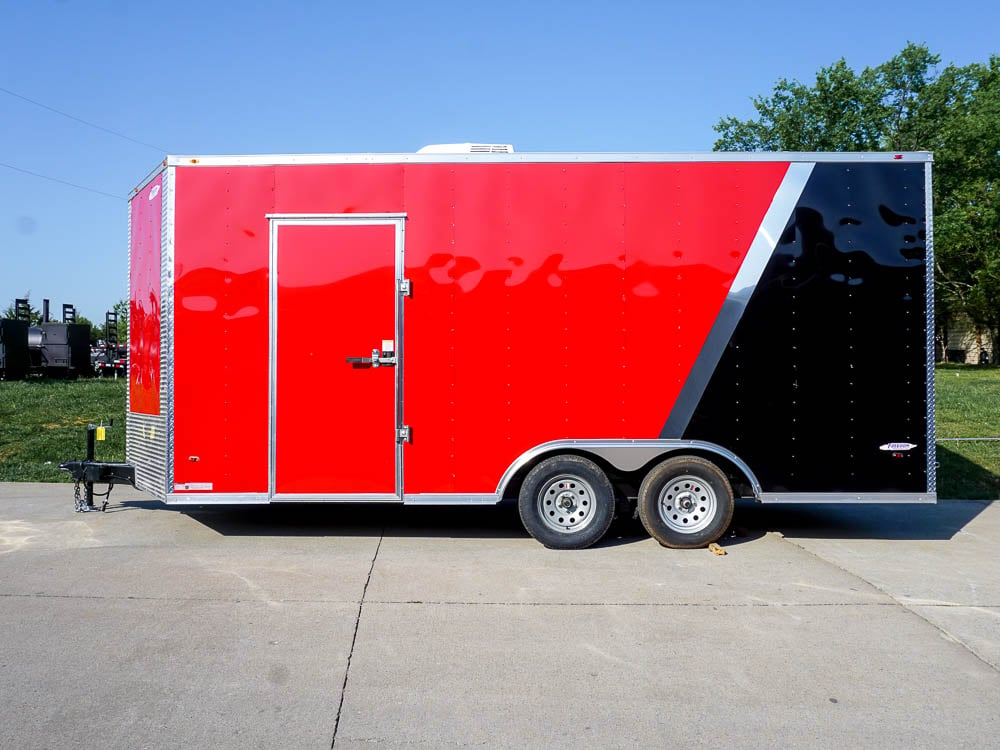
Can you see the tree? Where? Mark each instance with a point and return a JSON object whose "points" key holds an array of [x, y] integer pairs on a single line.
{"points": [[889, 107], [99, 332], [967, 203], [10, 312], [95, 331], [906, 104], [121, 308]]}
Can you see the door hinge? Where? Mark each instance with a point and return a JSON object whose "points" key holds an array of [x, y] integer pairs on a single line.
{"points": [[405, 288], [403, 434]]}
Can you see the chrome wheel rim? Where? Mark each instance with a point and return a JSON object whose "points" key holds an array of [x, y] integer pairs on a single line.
{"points": [[566, 504], [687, 504]]}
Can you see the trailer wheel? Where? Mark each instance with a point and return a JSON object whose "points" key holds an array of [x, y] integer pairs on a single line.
{"points": [[566, 502], [685, 502]]}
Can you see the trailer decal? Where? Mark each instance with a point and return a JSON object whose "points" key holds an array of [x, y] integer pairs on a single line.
{"points": [[897, 447]]}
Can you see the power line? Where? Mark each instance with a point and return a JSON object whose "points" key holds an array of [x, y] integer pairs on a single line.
{"points": [[85, 122], [61, 182]]}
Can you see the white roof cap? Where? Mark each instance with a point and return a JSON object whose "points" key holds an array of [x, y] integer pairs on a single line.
{"points": [[467, 148]]}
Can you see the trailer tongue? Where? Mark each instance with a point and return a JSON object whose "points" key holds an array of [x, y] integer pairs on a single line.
{"points": [[90, 471]]}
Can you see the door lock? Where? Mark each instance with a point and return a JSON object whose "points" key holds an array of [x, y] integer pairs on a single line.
{"points": [[384, 357]]}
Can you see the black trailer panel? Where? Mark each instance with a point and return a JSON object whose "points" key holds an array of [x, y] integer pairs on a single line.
{"points": [[823, 386]]}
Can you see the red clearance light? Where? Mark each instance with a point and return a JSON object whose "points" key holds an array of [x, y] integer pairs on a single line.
{"points": [[897, 156]]}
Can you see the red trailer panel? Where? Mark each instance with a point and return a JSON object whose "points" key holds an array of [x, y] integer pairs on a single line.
{"points": [[220, 330], [144, 305]]}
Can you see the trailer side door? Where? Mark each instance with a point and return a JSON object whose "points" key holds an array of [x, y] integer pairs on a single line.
{"points": [[334, 375]]}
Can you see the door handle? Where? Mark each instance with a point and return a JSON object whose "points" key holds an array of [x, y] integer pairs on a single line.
{"points": [[379, 358]]}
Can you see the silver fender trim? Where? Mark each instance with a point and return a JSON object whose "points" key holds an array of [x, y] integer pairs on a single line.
{"points": [[626, 455], [848, 497]]}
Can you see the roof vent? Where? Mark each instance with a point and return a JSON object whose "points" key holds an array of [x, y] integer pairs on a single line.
{"points": [[467, 148]]}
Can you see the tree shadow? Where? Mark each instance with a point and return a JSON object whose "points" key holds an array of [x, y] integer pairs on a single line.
{"points": [[959, 477], [940, 521]]}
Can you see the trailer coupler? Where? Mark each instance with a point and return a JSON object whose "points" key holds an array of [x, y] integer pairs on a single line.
{"points": [[90, 471]]}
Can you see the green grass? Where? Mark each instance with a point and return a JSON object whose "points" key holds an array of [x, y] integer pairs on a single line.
{"points": [[968, 405], [44, 422]]}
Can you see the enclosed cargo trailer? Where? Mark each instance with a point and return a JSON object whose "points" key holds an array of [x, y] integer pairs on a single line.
{"points": [[571, 330]]}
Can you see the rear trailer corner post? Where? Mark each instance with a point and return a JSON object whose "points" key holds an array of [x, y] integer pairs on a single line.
{"points": [[90, 471]]}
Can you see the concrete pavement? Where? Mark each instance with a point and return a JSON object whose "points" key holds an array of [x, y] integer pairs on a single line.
{"points": [[363, 627]]}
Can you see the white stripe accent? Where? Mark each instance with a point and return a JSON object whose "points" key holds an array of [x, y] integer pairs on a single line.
{"points": [[786, 197], [771, 227]]}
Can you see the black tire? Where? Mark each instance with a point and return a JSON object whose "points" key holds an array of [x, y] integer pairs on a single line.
{"points": [[566, 502], [685, 502]]}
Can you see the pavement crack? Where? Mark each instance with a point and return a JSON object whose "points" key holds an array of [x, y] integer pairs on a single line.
{"points": [[896, 601], [354, 639]]}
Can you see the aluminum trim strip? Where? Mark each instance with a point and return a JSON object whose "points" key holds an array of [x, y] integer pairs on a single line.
{"points": [[146, 451], [360, 497], [929, 302], [848, 498], [626, 455], [445, 498], [167, 335], [742, 288], [272, 370], [275, 222], [400, 221], [148, 179], [220, 498], [318, 219], [542, 157]]}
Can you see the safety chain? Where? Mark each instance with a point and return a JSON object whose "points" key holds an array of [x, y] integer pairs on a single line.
{"points": [[80, 503], [81, 506]]}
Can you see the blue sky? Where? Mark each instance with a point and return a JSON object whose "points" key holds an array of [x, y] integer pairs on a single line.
{"points": [[329, 77]]}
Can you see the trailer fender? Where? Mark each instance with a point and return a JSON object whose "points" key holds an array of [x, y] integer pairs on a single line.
{"points": [[625, 456]]}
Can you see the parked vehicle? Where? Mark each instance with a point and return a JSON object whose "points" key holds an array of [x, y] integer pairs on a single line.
{"points": [[49, 349], [109, 360], [579, 332]]}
